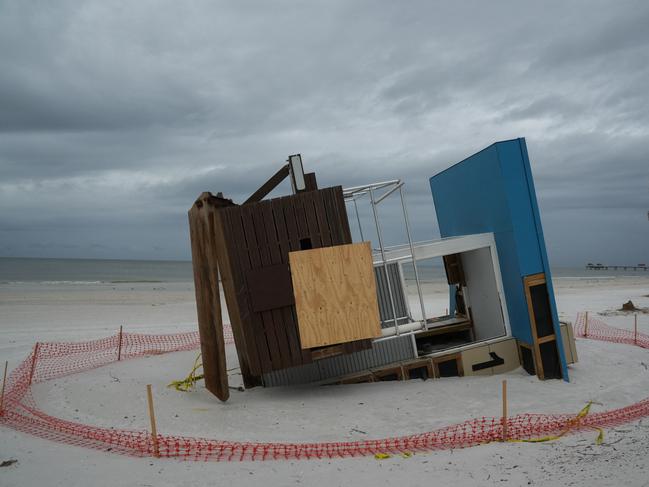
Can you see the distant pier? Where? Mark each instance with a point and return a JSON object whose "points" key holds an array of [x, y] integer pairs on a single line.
{"points": [[602, 267]]}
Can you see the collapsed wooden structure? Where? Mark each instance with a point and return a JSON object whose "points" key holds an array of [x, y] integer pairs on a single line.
{"points": [[248, 246], [307, 304]]}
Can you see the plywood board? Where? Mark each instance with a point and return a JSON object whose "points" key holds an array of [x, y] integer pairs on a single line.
{"points": [[335, 294]]}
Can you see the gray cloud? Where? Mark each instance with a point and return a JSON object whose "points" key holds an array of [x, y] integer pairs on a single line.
{"points": [[114, 117]]}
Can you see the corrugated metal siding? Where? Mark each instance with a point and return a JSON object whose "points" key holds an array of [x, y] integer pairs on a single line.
{"points": [[301, 374], [383, 352], [383, 294]]}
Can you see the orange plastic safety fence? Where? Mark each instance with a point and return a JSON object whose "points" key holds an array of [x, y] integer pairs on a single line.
{"points": [[52, 360]]}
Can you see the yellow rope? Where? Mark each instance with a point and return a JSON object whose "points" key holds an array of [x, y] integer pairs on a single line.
{"points": [[189, 382], [573, 423]]}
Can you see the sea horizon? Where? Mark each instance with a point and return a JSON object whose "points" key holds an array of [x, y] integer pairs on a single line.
{"points": [[48, 270]]}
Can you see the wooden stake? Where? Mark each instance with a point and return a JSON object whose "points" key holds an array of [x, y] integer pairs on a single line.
{"points": [[586, 326], [34, 357], [635, 329], [4, 380], [504, 419], [154, 431], [119, 346]]}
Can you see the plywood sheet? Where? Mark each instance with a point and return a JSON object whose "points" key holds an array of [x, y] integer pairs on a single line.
{"points": [[335, 294]]}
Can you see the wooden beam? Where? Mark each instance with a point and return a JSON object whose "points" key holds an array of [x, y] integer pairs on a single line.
{"points": [[4, 380], [33, 367], [208, 298], [154, 429], [269, 185], [119, 345], [310, 182], [504, 416]]}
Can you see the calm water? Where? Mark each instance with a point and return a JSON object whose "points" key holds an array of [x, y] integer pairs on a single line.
{"points": [[59, 271], [93, 271]]}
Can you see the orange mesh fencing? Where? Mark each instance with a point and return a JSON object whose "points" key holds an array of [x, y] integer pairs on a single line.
{"points": [[52, 360]]}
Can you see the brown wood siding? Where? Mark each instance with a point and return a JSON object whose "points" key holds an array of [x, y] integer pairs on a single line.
{"points": [[260, 235]]}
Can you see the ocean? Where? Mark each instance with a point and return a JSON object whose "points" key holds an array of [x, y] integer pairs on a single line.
{"points": [[80, 271]]}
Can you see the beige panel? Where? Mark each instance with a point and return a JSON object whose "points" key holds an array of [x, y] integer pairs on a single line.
{"points": [[567, 351], [473, 356], [573, 344], [335, 294], [508, 351], [569, 345]]}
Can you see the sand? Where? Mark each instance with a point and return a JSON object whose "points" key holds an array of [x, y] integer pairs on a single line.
{"points": [[611, 375]]}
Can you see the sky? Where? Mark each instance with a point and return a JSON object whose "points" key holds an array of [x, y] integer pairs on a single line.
{"points": [[115, 116]]}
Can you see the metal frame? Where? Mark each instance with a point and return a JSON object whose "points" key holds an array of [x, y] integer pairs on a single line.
{"points": [[356, 192], [414, 251]]}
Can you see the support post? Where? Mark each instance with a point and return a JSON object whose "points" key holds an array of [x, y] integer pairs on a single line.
{"points": [[586, 325], [504, 418], [154, 431], [310, 182], [34, 358], [635, 329], [385, 264], [269, 185], [358, 218], [119, 345], [414, 259], [4, 381], [206, 243]]}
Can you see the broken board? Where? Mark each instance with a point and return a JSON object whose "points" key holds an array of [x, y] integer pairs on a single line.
{"points": [[335, 294], [208, 301]]}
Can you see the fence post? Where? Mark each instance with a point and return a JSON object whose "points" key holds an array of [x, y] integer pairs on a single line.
{"points": [[586, 325], [504, 418], [4, 381], [34, 357], [635, 329], [154, 431], [119, 346]]}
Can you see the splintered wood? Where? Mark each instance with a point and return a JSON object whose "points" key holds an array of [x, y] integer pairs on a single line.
{"points": [[208, 302], [335, 294]]}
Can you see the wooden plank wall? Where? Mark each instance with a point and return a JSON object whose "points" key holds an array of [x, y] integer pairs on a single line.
{"points": [[260, 235]]}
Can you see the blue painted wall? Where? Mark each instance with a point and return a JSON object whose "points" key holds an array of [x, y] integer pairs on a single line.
{"points": [[493, 191]]}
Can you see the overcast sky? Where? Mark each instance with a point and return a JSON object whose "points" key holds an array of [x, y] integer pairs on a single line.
{"points": [[114, 116]]}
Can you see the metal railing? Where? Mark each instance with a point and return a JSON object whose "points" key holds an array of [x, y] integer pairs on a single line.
{"points": [[353, 194]]}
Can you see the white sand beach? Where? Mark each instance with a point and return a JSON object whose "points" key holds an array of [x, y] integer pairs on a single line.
{"points": [[608, 374]]}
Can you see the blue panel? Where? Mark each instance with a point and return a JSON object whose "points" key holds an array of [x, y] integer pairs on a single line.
{"points": [[486, 209], [520, 207], [493, 191], [544, 258]]}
